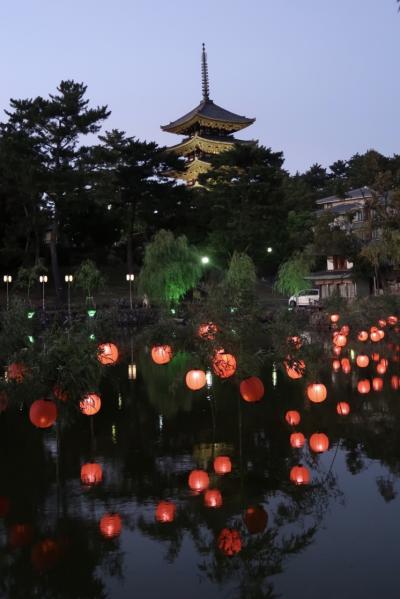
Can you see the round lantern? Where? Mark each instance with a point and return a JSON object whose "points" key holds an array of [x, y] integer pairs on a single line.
{"points": [[362, 361], [43, 413], [362, 336], [107, 354], [377, 383], [3, 401], [375, 336], [300, 475], [343, 408], [252, 389], [45, 555], [292, 417], [90, 404], [335, 318], [212, 498], [364, 386], [297, 440], [222, 464], [394, 382], [198, 480], [392, 320], [381, 367], [195, 379], [165, 511], [375, 357], [337, 350], [91, 474], [20, 535], [340, 340], [161, 354], [256, 519], [319, 442], [111, 526], [229, 541], [345, 330], [336, 365], [346, 366], [207, 330], [224, 365], [381, 334], [382, 323], [295, 369], [16, 372], [316, 392]]}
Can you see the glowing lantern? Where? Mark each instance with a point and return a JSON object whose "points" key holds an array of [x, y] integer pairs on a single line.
{"points": [[316, 392], [256, 519], [16, 372], [346, 366], [292, 417], [343, 408], [382, 323], [362, 361], [3, 401], [4, 506], [111, 526], [207, 330], [381, 367], [394, 382], [252, 389], [362, 336], [198, 480], [20, 535], [91, 474], [336, 365], [375, 357], [90, 404], [107, 354], [195, 379], [319, 442], [335, 318], [392, 320], [295, 369], [297, 440], [165, 511], [43, 413], [212, 498], [45, 555], [340, 340], [229, 541], [300, 475], [381, 334], [60, 394], [337, 350], [377, 383], [222, 464], [161, 354], [364, 386], [375, 336], [345, 330], [224, 365]]}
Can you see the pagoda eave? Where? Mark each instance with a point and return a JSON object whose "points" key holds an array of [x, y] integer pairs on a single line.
{"points": [[206, 144], [201, 122]]}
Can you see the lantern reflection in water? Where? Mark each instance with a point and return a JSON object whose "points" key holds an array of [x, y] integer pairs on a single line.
{"points": [[213, 498], [165, 511], [256, 519], [297, 440], [111, 525], [229, 541]]}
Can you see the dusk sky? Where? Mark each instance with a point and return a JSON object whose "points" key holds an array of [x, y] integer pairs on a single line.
{"points": [[321, 77]]}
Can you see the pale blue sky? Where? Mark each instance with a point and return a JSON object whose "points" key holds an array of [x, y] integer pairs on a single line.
{"points": [[321, 76]]}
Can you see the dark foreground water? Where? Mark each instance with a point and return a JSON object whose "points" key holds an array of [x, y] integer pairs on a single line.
{"points": [[338, 536]]}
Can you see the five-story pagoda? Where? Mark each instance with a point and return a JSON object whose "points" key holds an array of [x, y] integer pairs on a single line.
{"points": [[208, 129]]}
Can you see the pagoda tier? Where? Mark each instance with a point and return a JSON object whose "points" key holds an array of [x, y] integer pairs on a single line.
{"points": [[208, 128]]}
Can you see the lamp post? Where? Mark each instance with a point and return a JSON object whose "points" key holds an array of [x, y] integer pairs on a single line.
{"points": [[43, 280], [68, 280], [130, 278], [7, 280]]}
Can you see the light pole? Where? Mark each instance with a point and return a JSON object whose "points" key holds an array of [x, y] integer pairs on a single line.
{"points": [[130, 278], [43, 280], [7, 280], [68, 280]]}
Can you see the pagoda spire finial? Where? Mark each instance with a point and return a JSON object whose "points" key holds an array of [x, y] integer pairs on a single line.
{"points": [[205, 84]]}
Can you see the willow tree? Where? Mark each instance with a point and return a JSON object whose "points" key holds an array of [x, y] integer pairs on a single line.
{"points": [[171, 268]]}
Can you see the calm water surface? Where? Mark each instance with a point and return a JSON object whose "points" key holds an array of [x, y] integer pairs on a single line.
{"points": [[336, 537]]}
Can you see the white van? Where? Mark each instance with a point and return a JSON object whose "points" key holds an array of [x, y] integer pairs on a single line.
{"points": [[307, 297]]}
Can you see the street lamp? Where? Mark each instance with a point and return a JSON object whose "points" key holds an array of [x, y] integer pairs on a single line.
{"points": [[130, 278], [68, 280], [205, 260], [269, 250], [43, 280], [7, 280]]}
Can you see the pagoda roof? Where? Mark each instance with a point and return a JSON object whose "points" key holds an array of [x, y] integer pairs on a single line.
{"points": [[209, 114], [213, 143]]}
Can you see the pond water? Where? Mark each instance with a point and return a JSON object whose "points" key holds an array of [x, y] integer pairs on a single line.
{"points": [[337, 536]]}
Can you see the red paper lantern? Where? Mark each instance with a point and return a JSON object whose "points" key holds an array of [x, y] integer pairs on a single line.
{"points": [[336, 365], [212, 498], [16, 372], [381, 367], [3, 401], [198, 480], [343, 408], [340, 340], [394, 382], [375, 357], [392, 320], [222, 464], [90, 404], [300, 475], [45, 555], [256, 519], [224, 365], [375, 336], [207, 330], [335, 318], [91, 474], [195, 379], [229, 541], [20, 535], [295, 369], [382, 323], [319, 442], [346, 366], [43, 413], [297, 440], [111, 526], [161, 354], [292, 417], [252, 389], [364, 386], [345, 330], [107, 354], [316, 392], [362, 361], [165, 511], [337, 350], [377, 383], [362, 336]]}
